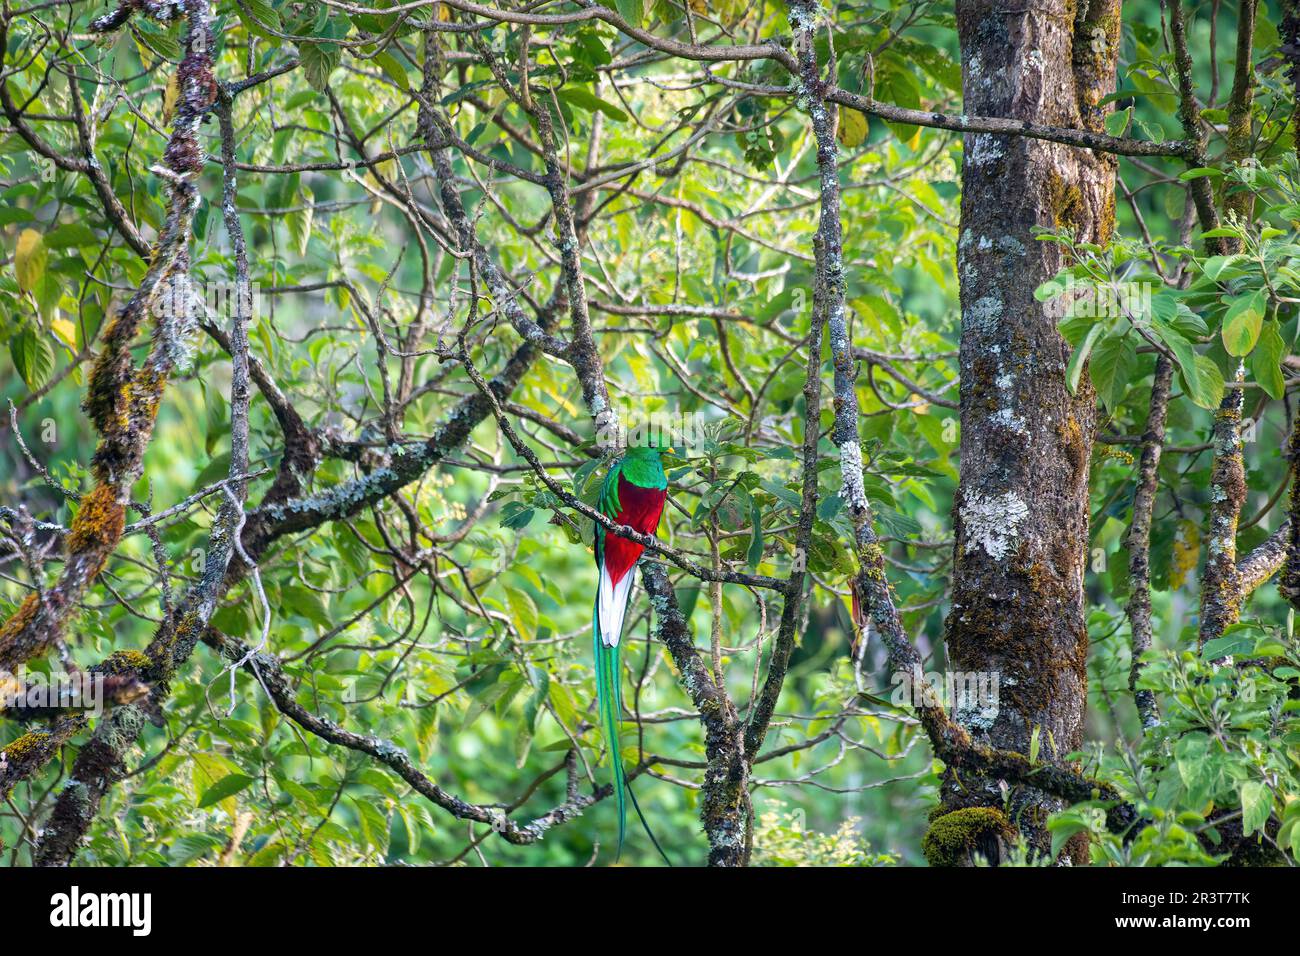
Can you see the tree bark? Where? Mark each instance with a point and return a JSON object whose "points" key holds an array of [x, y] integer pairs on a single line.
{"points": [[1021, 512]]}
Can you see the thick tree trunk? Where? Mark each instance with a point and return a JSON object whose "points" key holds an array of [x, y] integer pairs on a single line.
{"points": [[1021, 513]]}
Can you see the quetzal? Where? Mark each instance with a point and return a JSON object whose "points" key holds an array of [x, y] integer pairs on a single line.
{"points": [[633, 494]]}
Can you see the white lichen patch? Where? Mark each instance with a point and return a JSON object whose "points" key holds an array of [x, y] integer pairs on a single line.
{"points": [[984, 313], [1033, 64], [985, 148], [855, 493], [992, 522], [1006, 418], [975, 716], [1006, 415]]}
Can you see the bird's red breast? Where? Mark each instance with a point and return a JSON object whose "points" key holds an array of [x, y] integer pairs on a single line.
{"points": [[640, 509]]}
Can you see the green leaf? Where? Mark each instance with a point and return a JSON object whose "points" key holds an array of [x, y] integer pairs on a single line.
{"points": [[412, 827], [1113, 364], [192, 846], [1256, 804], [830, 506], [71, 234], [1184, 355], [33, 357], [583, 98], [297, 599], [1080, 357], [1228, 646], [318, 62], [1063, 826], [523, 611], [897, 84], [374, 825], [1242, 321], [755, 552], [516, 515], [1051, 289], [533, 707], [1210, 383], [227, 786], [300, 220], [393, 67], [1216, 266], [260, 19], [583, 474], [936, 63], [1266, 361], [1117, 122], [633, 11], [1191, 754]]}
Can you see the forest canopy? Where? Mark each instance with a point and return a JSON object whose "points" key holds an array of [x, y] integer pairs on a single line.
{"points": [[966, 338]]}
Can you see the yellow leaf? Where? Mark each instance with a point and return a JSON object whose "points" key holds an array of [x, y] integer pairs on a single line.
{"points": [[853, 128], [29, 259], [66, 332], [1187, 550], [170, 95]]}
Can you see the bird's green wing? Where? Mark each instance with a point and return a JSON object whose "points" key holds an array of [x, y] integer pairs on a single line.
{"points": [[608, 505]]}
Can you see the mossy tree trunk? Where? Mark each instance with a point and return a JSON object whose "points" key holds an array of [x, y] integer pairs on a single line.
{"points": [[1021, 513]]}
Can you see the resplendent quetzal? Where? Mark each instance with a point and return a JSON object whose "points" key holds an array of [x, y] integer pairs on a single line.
{"points": [[633, 494]]}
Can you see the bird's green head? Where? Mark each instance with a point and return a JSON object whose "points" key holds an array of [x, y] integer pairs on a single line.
{"points": [[643, 465], [647, 452]]}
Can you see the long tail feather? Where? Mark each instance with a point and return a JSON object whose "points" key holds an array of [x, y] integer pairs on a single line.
{"points": [[627, 784], [646, 826], [608, 702]]}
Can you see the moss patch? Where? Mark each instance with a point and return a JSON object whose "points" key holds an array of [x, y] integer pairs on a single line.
{"points": [[953, 837], [22, 747], [99, 522], [125, 662], [19, 620], [1065, 202]]}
